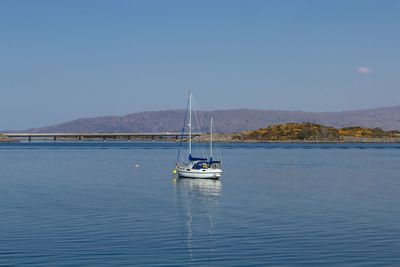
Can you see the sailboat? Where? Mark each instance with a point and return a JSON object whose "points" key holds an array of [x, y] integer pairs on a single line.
{"points": [[194, 166]]}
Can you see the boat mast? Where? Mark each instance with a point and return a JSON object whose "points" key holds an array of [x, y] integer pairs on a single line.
{"points": [[190, 123], [211, 131]]}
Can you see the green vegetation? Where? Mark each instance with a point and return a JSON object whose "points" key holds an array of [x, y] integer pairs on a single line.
{"points": [[314, 132]]}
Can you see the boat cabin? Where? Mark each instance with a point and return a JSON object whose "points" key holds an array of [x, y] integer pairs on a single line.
{"points": [[213, 164]]}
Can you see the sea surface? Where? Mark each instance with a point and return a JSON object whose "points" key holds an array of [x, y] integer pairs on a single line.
{"points": [[117, 204]]}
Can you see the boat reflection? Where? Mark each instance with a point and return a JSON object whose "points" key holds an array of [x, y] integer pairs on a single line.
{"points": [[198, 201], [199, 188]]}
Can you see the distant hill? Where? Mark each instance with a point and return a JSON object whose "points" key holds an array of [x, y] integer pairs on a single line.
{"points": [[229, 121]]}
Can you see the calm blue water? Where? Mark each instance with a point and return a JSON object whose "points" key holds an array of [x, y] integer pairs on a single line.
{"points": [[75, 204]]}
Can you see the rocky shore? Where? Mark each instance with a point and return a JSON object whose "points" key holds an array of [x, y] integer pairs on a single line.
{"points": [[306, 133], [6, 139]]}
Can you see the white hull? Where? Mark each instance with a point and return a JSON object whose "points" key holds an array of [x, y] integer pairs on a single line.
{"points": [[200, 174]]}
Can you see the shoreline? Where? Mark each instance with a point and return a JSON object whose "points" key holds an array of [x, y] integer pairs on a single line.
{"points": [[4, 139], [294, 142]]}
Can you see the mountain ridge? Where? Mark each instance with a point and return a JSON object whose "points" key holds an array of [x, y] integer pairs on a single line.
{"points": [[228, 121]]}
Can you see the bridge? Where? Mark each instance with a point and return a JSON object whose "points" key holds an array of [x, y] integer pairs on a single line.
{"points": [[167, 136]]}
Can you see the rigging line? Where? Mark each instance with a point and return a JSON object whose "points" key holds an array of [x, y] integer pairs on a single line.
{"points": [[190, 123], [202, 118], [200, 124], [204, 122], [216, 144], [183, 129], [196, 125], [205, 118]]}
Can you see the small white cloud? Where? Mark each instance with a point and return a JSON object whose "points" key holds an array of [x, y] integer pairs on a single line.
{"points": [[364, 70]]}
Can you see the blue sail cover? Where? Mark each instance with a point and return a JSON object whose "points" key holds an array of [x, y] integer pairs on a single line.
{"points": [[193, 159]]}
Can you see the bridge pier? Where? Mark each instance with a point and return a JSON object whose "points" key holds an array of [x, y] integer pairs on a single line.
{"points": [[55, 138], [29, 138]]}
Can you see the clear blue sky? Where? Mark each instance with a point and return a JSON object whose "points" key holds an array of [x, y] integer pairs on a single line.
{"points": [[61, 60]]}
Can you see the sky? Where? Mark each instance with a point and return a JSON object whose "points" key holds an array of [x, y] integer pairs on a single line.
{"points": [[63, 60]]}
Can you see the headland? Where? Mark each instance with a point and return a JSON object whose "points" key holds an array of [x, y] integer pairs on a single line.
{"points": [[308, 133]]}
